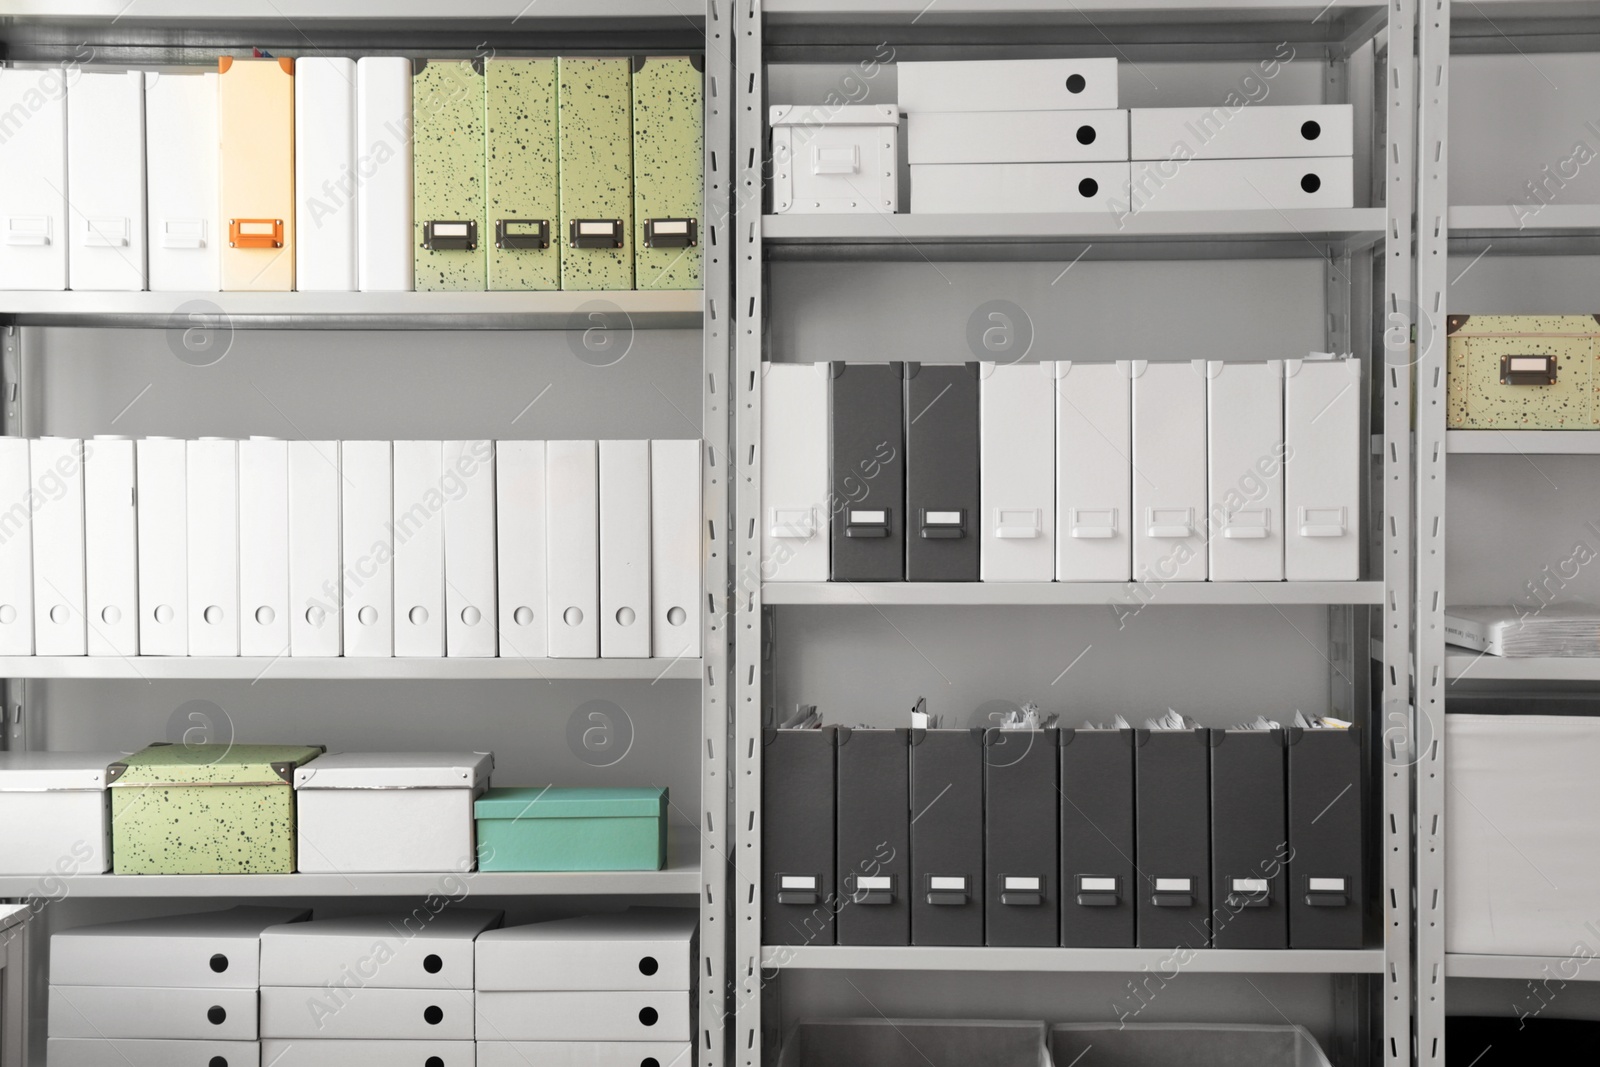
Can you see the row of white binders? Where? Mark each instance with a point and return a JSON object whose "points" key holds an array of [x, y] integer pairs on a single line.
{"points": [[1046, 135], [438, 985], [1130, 470], [264, 547]]}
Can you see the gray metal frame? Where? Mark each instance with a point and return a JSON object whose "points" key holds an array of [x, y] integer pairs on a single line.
{"points": [[1375, 323], [148, 39]]}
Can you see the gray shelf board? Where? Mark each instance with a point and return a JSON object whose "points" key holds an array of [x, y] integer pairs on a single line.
{"points": [[1091, 960], [1462, 664], [1088, 593], [1561, 968], [680, 878], [565, 310], [343, 668], [1094, 235], [1554, 229], [360, 10], [1523, 442], [1519, 27]]}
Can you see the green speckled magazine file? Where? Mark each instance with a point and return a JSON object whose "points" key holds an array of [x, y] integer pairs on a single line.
{"points": [[447, 163], [206, 809], [520, 116], [596, 171], [572, 829], [668, 171], [1551, 386]]}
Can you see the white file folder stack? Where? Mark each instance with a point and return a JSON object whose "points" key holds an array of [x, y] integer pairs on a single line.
{"points": [[268, 548], [1040, 135], [149, 992], [602, 989], [371, 991], [1242, 158]]}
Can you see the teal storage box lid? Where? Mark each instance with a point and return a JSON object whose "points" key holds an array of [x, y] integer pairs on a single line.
{"points": [[542, 802], [572, 829]]}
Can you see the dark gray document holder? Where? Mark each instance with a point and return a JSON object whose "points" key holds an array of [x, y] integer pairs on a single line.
{"points": [[874, 834], [947, 837], [1097, 848], [798, 897], [1249, 840], [1020, 837], [942, 528], [1172, 834], [867, 472]]}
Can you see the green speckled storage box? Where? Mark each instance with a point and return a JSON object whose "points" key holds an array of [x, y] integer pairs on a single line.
{"points": [[448, 174], [1523, 372], [520, 116], [668, 171], [596, 170], [547, 829], [206, 809]]}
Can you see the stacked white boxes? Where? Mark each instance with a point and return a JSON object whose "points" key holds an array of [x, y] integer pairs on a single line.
{"points": [[1242, 158], [265, 548], [371, 991], [602, 990], [1030, 135], [168, 992]]}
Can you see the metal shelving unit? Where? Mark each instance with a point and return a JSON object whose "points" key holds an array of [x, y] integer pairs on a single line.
{"points": [[162, 32], [1452, 238], [1368, 288]]}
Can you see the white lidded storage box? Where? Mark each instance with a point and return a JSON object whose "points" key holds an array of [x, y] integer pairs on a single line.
{"points": [[835, 159], [1522, 847], [380, 1053], [150, 1052], [55, 812], [389, 811], [1242, 184], [206, 950], [641, 949], [1242, 132], [583, 1053], [1008, 84]]}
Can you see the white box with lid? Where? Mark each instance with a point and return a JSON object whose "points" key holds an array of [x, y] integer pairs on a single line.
{"points": [[150, 1052], [1008, 84], [404, 949], [384, 812], [55, 812], [638, 949], [828, 159]]}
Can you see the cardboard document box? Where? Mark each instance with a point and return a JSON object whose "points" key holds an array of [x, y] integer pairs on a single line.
{"points": [[185, 238], [585, 1016], [523, 189], [1242, 184], [572, 829], [1169, 454], [1244, 465], [641, 948], [432, 1052], [389, 811], [835, 159], [255, 172], [383, 160], [1327, 874], [1172, 802], [1016, 136], [873, 841], [985, 188], [867, 471], [1250, 888], [162, 469], [798, 802], [1017, 485], [1525, 372], [519, 472], [206, 809], [596, 150], [676, 548], [1322, 470], [448, 162], [150, 1052], [115, 1011], [572, 516], [55, 813], [105, 180], [367, 545], [624, 549], [56, 466], [1008, 85], [1098, 879], [943, 515], [947, 883], [1243, 132], [366, 1012], [315, 580], [1021, 854], [795, 517], [326, 178], [205, 950], [469, 549], [33, 180], [668, 171], [399, 950], [582, 1053], [111, 547]]}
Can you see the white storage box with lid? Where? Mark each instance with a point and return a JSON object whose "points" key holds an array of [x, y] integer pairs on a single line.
{"points": [[55, 812], [1522, 844], [413, 949], [835, 159], [641, 948], [383, 812], [150, 1052]]}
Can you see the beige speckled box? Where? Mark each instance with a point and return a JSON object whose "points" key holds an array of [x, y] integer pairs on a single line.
{"points": [[206, 809], [596, 139], [668, 171], [524, 197], [448, 175], [1524, 372]]}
